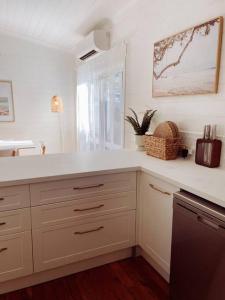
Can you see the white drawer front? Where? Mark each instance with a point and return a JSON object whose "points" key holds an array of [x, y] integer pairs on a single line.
{"points": [[14, 221], [58, 213], [14, 197], [64, 244], [15, 256], [58, 191]]}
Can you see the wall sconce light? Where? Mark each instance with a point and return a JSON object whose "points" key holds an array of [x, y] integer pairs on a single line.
{"points": [[56, 104]]}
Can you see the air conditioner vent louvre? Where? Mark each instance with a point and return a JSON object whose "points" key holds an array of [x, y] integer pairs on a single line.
{"points": [[89, 54]]}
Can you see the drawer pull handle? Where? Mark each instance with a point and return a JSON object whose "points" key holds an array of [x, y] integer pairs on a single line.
{"points": [[88, 208], [2, 223], [158, 190], [88, 186], [1, 199], [88, 231], [3, 249]]}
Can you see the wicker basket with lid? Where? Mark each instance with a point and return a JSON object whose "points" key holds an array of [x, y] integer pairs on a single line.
{"points": [[165, 141]]}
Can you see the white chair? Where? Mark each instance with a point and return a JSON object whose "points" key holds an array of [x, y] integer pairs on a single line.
{"points": [[16, 148]]}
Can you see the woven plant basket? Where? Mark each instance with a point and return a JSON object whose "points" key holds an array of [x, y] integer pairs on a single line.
{"points": [[163, 148]]}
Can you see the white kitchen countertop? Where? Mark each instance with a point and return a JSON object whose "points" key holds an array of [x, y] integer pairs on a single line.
{"points": [[185, 174]]}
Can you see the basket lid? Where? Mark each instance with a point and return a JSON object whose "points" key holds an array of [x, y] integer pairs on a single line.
{"points": [[167, 129]]}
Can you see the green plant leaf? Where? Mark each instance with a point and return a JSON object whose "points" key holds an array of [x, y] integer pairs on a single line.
{"points": [[134, 124], [135, 115], [146, 121]]}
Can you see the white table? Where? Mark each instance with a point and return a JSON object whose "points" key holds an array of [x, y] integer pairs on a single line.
{"points": [[13, 146]]}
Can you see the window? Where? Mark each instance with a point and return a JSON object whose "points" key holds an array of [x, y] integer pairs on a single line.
{"points": [[100, 102]]}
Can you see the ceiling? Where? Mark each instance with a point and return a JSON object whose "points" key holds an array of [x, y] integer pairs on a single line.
{"points": [[58, 23]]}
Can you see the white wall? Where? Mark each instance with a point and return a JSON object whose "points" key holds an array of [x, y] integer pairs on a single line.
{"points": [[147, 22], [38, 73]]}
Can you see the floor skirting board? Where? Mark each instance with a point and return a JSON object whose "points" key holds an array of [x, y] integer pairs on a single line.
{"points": [[130, 278], [37, 278]]}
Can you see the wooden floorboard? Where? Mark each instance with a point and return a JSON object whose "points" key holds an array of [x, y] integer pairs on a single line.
{"points": [[129, 279]]}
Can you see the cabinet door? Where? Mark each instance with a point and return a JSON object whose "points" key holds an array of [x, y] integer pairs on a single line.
{"points": [[15, 255], [155, 219]]}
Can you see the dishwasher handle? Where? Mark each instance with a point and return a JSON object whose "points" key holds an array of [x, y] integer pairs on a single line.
{"points": [[206, 221], [201, 217]]}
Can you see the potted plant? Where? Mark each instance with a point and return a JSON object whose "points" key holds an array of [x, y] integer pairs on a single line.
{"points": [[140, 128]]}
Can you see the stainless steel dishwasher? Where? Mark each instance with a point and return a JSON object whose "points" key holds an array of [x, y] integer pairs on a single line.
{"points": [[198, 249]]}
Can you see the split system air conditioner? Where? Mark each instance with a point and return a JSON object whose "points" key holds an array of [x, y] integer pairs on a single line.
{"points": [[94, 43]]}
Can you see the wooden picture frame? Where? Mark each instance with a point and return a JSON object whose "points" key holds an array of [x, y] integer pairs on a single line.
{"points": [[188, 62], [6, 101]]}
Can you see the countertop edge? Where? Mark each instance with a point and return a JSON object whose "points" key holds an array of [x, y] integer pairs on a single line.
{"points": [[169, 180], [128, 162], [67, 176]]}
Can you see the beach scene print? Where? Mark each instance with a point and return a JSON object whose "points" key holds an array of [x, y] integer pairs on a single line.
{"points": [[6, 101], [4, 106], [187, 63]]}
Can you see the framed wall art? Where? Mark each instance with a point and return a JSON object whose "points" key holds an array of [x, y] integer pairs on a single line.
{"points": [[187, 63], [6, 101]]}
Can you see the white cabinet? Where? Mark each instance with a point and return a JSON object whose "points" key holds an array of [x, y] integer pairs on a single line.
{"points": [[15, 255], [155, 219], [15, 233], [81, 218], [63, 244], [72, 220]]}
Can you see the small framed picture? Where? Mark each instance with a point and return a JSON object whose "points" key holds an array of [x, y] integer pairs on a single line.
{"points": [[6, 101]]}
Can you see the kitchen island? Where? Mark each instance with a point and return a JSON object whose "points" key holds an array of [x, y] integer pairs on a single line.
{"points": [[63, 213]]}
